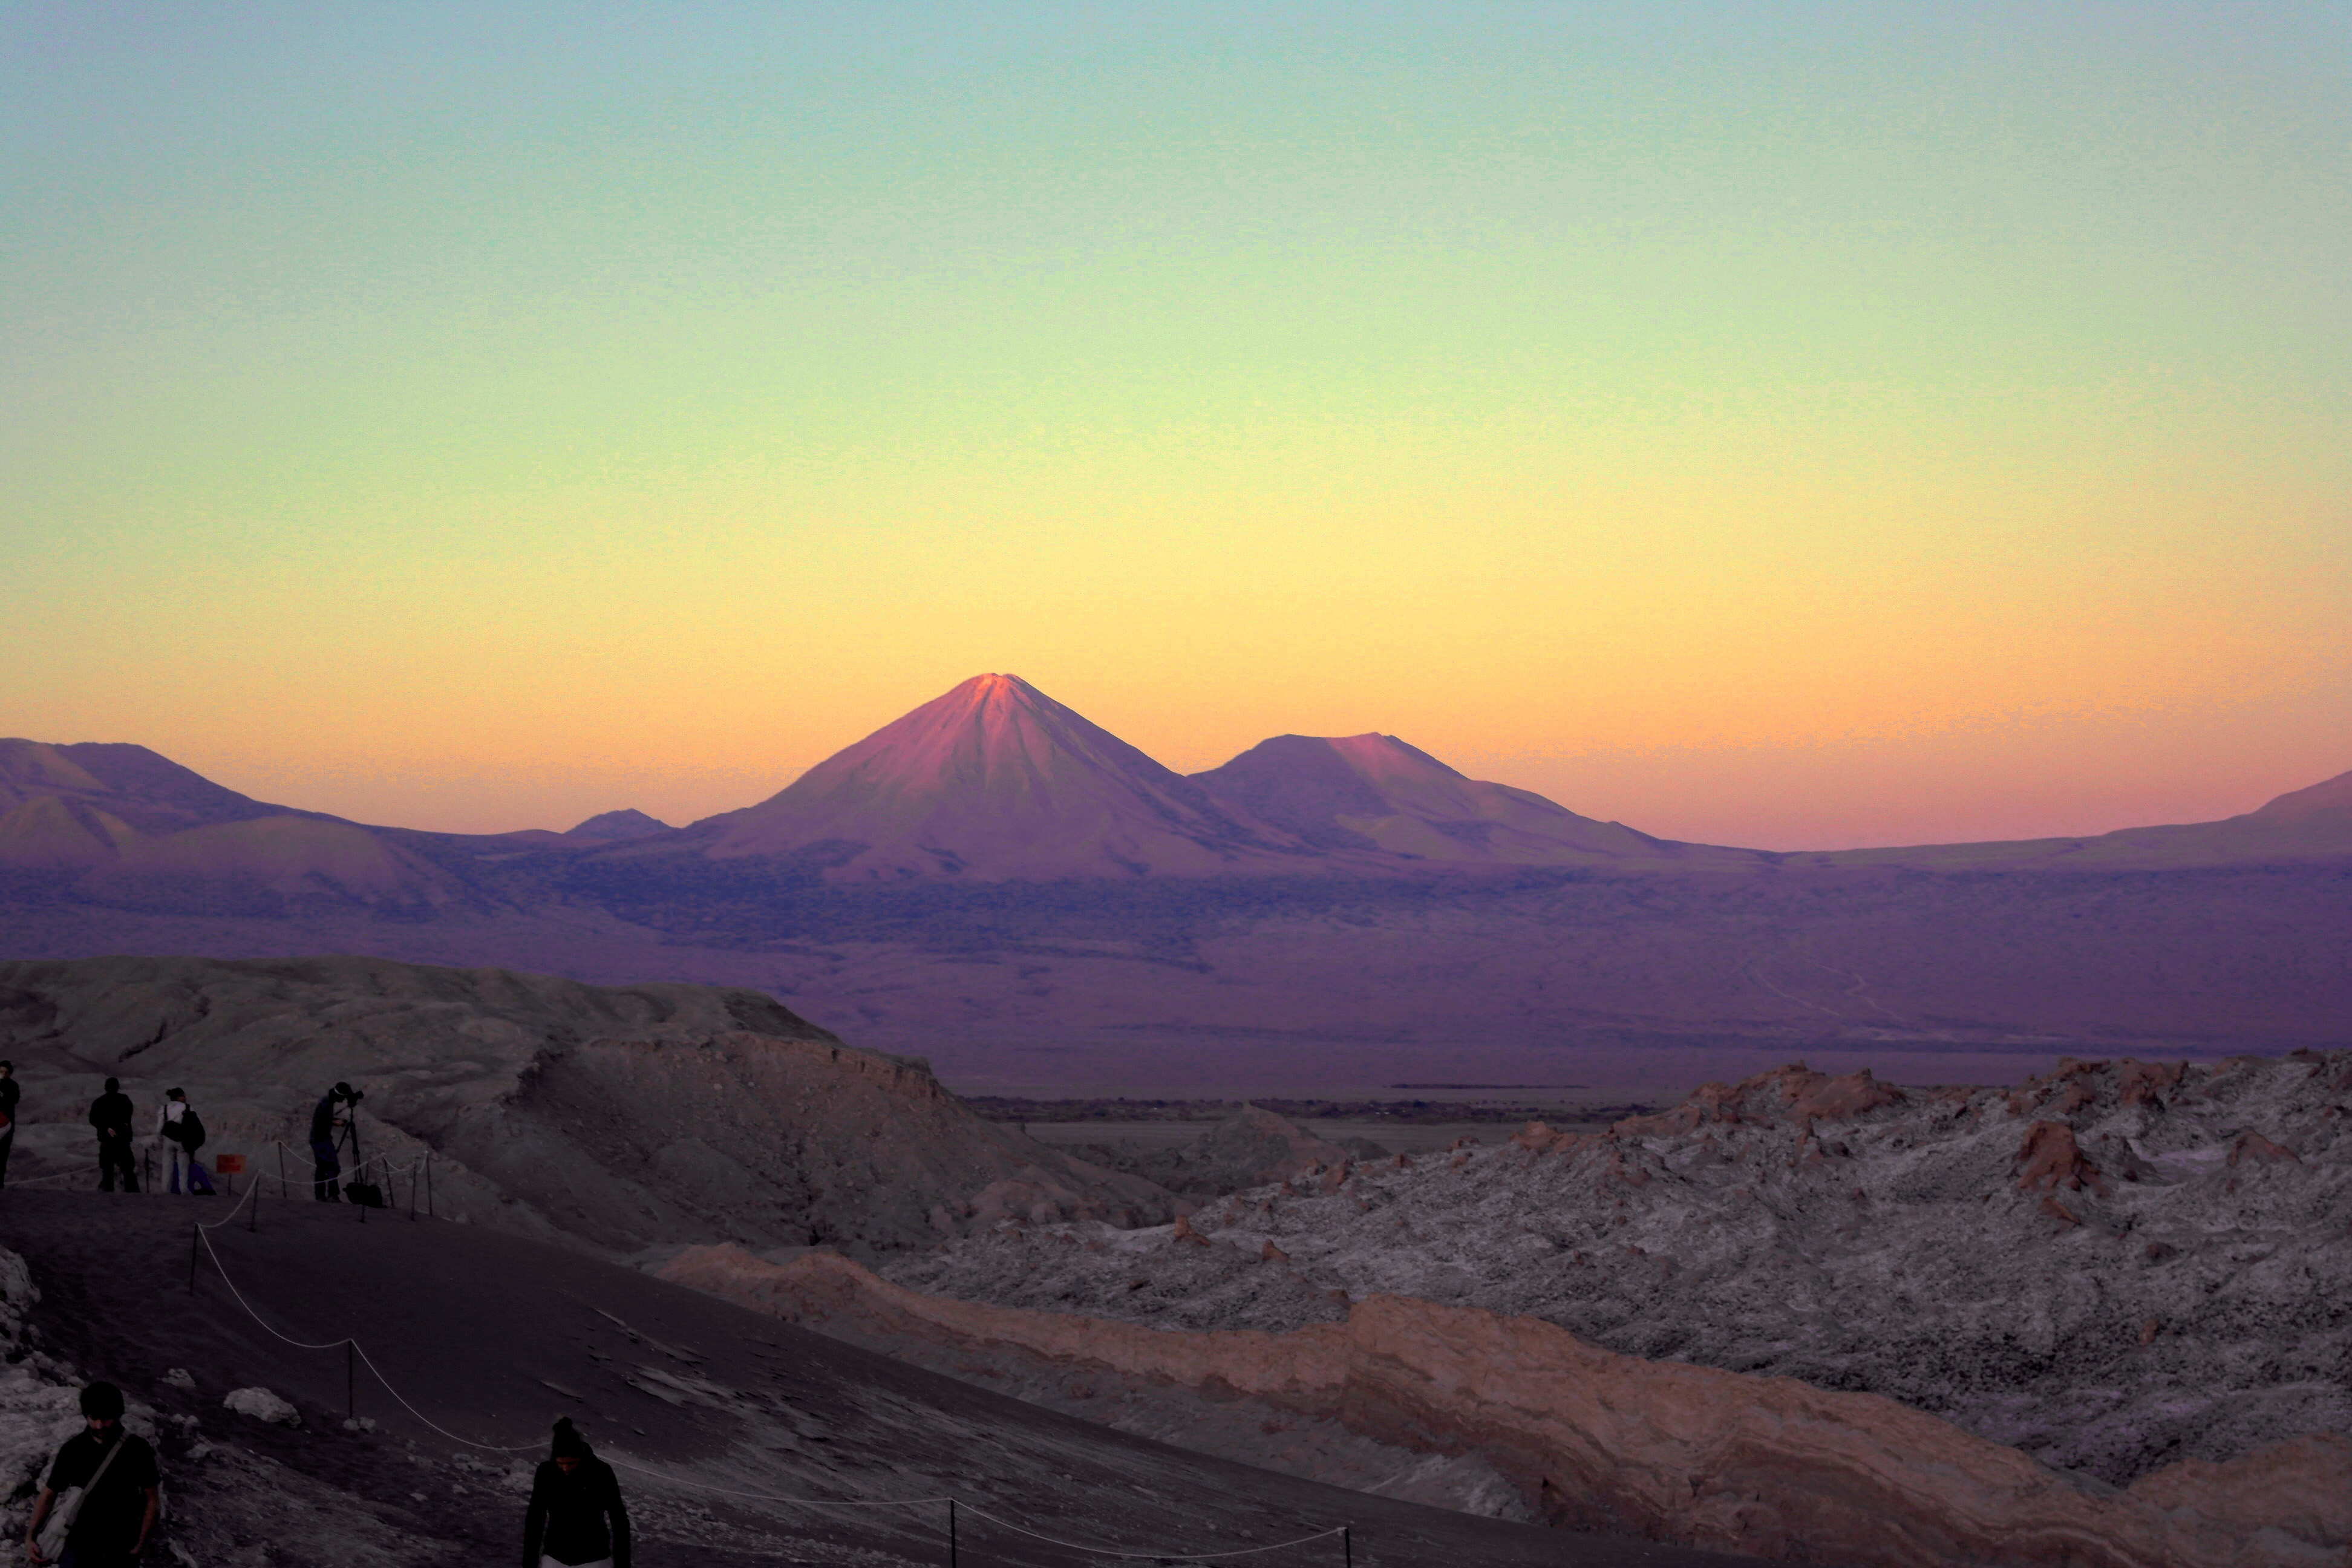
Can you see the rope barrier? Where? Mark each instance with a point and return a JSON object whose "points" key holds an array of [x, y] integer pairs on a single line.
{"points": [[390, 1171], [251, 1189], [203, 1234], [1156, 1556], [52, 1176]]}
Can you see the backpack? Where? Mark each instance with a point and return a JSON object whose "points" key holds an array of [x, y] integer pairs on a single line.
{"points": [[188, 1130]]}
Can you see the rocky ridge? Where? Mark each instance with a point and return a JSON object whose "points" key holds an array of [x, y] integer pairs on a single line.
{"points": [[616, 1119], [1586, 1438], [1247, 1149], [2114, 1268]]}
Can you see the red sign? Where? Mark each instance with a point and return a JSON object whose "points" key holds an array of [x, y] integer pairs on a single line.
{"points": [[229, 1164]]}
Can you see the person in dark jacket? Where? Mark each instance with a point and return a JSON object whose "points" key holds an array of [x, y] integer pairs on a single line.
{"points": [[119, 1512], [110, 1114], [575, 1518], [327, 1118], [10, 1091]]}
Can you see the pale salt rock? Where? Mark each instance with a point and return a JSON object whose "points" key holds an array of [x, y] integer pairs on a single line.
{"points": [[262, 1406]]}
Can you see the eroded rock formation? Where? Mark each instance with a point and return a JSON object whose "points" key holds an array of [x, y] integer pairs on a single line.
{"points": [[1248, 1149], [1592, 1440], [1995, 1256]]}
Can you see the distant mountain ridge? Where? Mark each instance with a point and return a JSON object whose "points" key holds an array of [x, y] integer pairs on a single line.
{"points": [[1377, 794], [995, 866], [615, 827], [994, 780]]}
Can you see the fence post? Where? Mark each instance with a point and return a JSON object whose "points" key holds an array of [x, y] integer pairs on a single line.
{"points": [[253, 1219], [429, 1185], [952, 1533], [411, 1194], [350, 1398], [281, 1169], [1347, 1548], [195, 1234]]}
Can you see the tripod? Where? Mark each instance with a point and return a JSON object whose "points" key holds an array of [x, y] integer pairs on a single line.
{"points": [[348, 1137]]}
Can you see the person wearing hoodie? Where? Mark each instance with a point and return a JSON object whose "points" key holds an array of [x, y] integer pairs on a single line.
{"points": [[110, 1113], [575, 1518]]}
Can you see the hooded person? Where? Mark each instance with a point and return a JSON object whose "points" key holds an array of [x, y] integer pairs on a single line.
{"points": [[575, 1518]]}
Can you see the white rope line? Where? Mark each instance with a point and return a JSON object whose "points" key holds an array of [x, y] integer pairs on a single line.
{"points": [[1154, 1556], [52, 1176], [771, 1497], [390, 1171], [251, 1188], [410, 1169], [377, 1373], [357, 1350]]}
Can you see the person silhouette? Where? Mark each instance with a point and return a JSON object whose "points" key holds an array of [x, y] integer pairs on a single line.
{"points": [[110, 1113], [575, 1518]]}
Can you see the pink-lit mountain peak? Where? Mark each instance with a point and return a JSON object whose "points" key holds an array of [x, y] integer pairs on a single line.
{"points": [[996, 779], [995, 733]]}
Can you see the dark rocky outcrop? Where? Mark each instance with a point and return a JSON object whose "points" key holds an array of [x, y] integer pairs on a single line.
{"points": [[616, 1118]]}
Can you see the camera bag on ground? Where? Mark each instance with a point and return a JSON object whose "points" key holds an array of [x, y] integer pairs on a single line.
{"points": [[366, 1194]]}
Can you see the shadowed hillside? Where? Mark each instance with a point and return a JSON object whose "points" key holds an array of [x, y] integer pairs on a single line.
{"points": [[611, 1119], [491, 1337]]}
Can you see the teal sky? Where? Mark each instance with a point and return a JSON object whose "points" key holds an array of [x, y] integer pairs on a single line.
{"points": [[477, 416]]}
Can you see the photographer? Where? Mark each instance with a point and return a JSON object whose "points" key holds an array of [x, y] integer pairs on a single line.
{"points": [[328, 1117]]}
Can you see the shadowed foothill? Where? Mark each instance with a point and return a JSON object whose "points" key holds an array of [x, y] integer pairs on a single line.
{"points": [[491, 1338]]}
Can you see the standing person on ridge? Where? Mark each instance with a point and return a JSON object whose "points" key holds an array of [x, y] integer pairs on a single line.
{"points": [[10, 1091], [575, 1518], [327, 1166], [110, 1114], [172, 1117], [122, 1498]]}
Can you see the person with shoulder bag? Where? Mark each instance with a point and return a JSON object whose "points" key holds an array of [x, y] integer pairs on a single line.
{"points": [[103, 1492], [182, 1135]]}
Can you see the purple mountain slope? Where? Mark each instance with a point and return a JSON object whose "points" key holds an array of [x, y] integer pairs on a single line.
{"points": [[996, 781], [617, 827], [1377, 797]]}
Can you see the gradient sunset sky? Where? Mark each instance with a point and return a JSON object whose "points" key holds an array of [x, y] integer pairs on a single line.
{"points": [[1787, 426]]}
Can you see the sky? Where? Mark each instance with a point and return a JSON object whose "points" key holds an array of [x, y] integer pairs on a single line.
{"points": [[1798, 427]]}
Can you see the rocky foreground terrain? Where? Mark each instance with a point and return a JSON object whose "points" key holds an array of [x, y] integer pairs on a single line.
{"points": [[616, 1119], [716, 1418], [2112, 1267], [2098, 1318]]}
